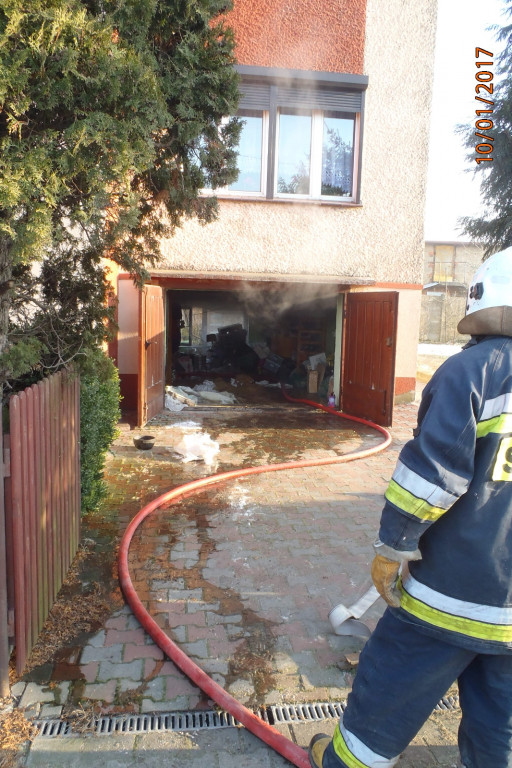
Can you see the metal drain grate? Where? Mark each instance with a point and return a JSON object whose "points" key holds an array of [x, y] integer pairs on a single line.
{"points": [[304, 712], [108, 725], [447, 703]]}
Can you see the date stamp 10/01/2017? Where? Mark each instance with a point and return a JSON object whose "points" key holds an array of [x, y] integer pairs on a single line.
{"points": [[484, 114]]}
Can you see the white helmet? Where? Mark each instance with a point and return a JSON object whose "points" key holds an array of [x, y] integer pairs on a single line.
{"points": [[489, 302]]}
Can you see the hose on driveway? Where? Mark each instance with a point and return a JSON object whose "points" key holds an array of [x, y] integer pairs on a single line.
{"points": [[285, 747]]}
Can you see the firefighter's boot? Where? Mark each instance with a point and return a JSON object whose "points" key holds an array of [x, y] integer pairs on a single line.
{"points": [[317, 747]]}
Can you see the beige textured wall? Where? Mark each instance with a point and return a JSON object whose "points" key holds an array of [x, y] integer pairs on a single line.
{"points": [[128, 319], [381, 240], [409, 310], [399, 61]]}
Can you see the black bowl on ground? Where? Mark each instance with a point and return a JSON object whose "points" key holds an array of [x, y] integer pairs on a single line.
{"points": [[144, 442]]}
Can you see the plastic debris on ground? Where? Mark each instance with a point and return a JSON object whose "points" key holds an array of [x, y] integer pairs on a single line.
{"points": [[173, 404], [205, 391], [206, 386], [223, 398], [183, 394], [198, 447]]}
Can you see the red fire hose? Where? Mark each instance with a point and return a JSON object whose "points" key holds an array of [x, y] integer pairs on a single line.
{"points": [[292, 752]]}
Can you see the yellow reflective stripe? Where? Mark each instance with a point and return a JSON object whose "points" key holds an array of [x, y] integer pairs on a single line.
{"points": [[470, 627], [500, 425], [412, 504], [344, 752]]}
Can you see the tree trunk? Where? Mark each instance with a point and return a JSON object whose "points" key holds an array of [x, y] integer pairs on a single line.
{"points": [[5, 294]]}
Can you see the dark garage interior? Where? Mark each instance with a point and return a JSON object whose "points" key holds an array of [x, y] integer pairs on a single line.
{"points": [[240, 338]]}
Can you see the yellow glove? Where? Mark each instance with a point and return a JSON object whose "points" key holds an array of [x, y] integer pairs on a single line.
{"points": [[385, 575]]}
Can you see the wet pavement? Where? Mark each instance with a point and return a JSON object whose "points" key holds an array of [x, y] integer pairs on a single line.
{"points": [[241, 576]]}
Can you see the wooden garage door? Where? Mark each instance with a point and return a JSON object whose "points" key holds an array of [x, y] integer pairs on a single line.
{"points": [[151, 353], [369, 355]]}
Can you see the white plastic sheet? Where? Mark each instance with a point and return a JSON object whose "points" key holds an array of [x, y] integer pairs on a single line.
{"points": [[172, 404], [198, 446], [224, 398], [206, 386]]}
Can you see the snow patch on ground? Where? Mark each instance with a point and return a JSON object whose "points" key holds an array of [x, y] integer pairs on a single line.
{"points": [[439, 350]]}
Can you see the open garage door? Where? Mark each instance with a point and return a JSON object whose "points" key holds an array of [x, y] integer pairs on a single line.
{"points": [[369, 355], [151, 353]]}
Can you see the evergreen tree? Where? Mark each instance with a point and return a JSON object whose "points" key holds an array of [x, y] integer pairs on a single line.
{"points": [[494, 229], [111, 121]]}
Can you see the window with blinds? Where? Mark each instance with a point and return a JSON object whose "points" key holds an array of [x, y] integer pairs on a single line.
{"points": [[301, 137]]}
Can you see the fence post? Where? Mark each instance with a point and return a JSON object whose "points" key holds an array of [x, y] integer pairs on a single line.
{"points": [[4, 623]]}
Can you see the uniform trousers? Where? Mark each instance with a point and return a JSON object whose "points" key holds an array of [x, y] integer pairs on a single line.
{"points": [[403, 672]]}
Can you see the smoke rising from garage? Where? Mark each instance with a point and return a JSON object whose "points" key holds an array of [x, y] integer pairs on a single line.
{"points": [[270, 303]]}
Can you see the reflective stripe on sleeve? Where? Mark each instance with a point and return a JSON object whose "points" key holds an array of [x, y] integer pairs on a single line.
{"points": [[499, 425], [496, 416], [485, 622], [422, 488], [418, 497], [496, 406], [355, 754], [410, 504]]}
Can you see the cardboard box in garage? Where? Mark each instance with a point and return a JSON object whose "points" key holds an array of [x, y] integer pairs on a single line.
{"points": [[312, 382]]}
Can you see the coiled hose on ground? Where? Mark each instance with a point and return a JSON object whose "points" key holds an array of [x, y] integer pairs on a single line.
{"points": [[292, 752]]}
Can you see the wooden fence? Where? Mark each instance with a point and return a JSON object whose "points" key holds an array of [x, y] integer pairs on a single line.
{"points": [[41, 498]]}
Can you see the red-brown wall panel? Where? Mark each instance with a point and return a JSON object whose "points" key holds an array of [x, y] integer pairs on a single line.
{"points": [[319, 35], [404, 384]]}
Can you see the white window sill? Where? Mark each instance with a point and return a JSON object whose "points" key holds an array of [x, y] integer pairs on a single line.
{"points": [[289, 201]]}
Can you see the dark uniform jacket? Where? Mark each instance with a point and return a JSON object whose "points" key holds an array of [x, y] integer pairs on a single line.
{"points": [[451, 497]]}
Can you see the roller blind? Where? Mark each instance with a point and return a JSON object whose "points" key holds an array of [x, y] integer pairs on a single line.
{"points": [[258, 96], [255, 96]]}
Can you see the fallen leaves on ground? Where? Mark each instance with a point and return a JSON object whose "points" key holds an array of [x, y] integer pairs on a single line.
{"points": [[15, 729]]}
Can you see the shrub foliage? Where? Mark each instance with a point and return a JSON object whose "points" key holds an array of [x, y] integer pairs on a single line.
{"points": [[99, 414]]}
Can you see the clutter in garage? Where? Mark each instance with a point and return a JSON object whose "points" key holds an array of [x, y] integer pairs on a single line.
{"points": [[261, 344]]}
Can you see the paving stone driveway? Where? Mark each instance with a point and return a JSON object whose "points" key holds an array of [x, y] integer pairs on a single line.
{"points": [[243, 575]]}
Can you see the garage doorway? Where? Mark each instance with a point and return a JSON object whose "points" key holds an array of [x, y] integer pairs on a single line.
{"points": [[244, 338], [248, 338]]}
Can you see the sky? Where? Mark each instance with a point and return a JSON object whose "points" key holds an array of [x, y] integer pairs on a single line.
{"points": [[452, 191]]}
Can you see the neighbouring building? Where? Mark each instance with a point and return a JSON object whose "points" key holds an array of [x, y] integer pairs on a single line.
{"points": [[318, 248], [448, 268]]}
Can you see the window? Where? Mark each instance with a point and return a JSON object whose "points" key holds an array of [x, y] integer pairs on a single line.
{"points": [[294, 152], [250, 153], [199, 321], [315, 154], [337, 155], [301, 135], [191, 326]]}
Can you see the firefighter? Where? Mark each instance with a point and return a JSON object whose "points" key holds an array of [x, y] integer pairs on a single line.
{"points": [[443, 559]]}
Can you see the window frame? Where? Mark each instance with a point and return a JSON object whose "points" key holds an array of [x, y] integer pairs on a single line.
{"points": [[268, 90], [316, 157], [226, 191], [293, 195]]}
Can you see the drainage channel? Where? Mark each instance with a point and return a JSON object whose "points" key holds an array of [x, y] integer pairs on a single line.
{"points": [[107, 725]]}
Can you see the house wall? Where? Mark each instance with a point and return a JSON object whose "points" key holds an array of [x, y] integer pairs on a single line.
{"points": [[326, 37], [379, 239], [382, 239], [128, 341], [409, 310]]}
